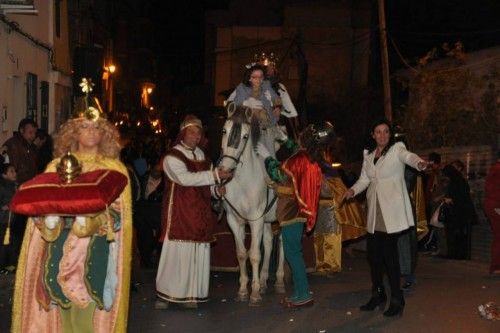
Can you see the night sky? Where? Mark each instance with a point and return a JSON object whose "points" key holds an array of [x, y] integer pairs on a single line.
{"points": [[418, 26], [415, 27]]}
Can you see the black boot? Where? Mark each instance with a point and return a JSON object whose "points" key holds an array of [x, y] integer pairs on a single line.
{"points": [[378, 297], [396, 307]]}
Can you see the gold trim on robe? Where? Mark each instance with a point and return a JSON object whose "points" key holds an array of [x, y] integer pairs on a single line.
{"points": [[349, 214], [27, 314], [421, 217]]}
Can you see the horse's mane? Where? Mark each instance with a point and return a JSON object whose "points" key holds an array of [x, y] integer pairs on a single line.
{"points": [[240, 116]]}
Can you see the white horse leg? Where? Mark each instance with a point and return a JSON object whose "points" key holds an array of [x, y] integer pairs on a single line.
{"points": [[268, 246], [279, 286], [256, 228], [241, 253]]}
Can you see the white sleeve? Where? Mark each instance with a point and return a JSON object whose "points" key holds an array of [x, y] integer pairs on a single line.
{"points": [[363, 180], [232, 96], [176, 170], [289, 110], [407, 157]]}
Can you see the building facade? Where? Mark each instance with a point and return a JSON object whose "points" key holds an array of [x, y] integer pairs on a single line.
{"points": [[323, 48], [35, 66]]}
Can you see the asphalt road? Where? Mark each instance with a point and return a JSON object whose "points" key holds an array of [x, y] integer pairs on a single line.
{"points": [[445, 299]]}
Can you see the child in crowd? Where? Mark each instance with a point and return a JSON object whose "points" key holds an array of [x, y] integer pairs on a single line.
{"points": [[8, 187]]}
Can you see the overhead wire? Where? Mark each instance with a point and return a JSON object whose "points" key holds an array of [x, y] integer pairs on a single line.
{"points": [[455, 33], [401, 57]]}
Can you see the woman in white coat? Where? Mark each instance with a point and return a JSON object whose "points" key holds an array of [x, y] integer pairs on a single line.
{"points": [[389, 211]]}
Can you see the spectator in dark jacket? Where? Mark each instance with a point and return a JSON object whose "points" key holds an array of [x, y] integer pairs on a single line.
{"points": [[460, 214], [45, 148], [22, 152]]}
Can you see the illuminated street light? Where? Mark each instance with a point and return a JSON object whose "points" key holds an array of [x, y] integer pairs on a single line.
{"points": [[107, 76], [151, 108], [146, 90]]}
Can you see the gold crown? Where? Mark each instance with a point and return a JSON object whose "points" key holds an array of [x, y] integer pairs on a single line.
{"points": [[88, 107], [265, 59]]}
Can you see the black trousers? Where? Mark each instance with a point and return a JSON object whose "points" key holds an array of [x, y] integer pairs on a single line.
{"points": [[408, 242], [383, 256], [17, 229], [7, 252]]}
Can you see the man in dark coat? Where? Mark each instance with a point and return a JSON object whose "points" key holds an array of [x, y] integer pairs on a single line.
{"points": [[21, 150]]}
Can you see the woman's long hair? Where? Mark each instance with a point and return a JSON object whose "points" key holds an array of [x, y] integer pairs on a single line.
{"points": [[66, 139], [372, 144]]}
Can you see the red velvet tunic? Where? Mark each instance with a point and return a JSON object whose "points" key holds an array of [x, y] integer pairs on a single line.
{"points": [[186, 210]]}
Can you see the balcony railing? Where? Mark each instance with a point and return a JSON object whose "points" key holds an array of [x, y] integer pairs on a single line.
{"points": [[25, 7]]}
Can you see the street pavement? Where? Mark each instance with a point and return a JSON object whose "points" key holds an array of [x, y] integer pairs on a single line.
{"points": [[445, 299]]}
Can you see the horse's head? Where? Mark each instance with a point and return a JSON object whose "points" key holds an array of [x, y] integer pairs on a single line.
{"points": [[241, 131]]}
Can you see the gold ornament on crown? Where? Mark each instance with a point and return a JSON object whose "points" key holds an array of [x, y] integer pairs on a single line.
{"points": [[266, 59], [263, 59], [88, 107]]}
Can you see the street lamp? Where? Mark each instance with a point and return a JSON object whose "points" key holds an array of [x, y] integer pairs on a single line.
{"points": [[108, 76], [147, 89]]}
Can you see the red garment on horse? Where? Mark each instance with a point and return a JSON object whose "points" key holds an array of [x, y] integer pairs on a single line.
{"points": [[186, 211]]}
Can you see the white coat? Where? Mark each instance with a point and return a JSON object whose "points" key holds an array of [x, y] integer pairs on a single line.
{"points": [[385, 182]]}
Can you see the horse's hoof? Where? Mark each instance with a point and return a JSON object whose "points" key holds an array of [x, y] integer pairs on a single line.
{"points": [[255, 301], [279, 289], [241, 298]]}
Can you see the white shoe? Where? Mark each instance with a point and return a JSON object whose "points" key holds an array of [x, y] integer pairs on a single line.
{"points": [[161, 305]]}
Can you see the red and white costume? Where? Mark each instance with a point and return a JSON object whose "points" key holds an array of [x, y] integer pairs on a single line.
{"points": [[187, 227]]}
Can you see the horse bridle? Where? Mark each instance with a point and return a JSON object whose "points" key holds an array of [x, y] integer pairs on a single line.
{"points": [[237, 161], [225, 181]]}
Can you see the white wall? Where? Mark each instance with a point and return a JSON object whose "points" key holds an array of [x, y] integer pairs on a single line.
{"points": [[20, 56]]}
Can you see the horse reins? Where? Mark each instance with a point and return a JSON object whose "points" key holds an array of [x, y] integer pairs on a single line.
{"points": [[266, 210], [225, 181]]}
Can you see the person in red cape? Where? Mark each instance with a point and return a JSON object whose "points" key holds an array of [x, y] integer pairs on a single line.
{"points": [[187, 219], [298, 188]]}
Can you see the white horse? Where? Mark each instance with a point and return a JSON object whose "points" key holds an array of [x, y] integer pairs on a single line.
{"points": [[248, 200]]}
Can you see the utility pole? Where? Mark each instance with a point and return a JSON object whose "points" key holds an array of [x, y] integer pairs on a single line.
{"points": [[303, 69], [385, 60]]}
